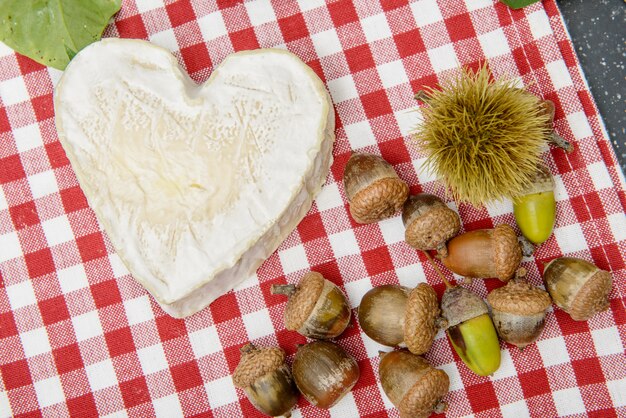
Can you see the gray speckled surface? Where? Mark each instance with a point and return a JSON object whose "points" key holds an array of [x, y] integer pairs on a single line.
{"points": [[598, 30]]}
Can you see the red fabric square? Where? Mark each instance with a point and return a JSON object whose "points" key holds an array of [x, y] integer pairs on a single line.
{"points": [[24, 215], [394, 151], [39, 263], [105, 293], [196, 58], [376, 104], [131, 27], [68, 358], [91, 246], [225, 308], [311, 227], [54, 310], [482, 397], [28, 65], [135, 392], [293, 27], [56, 154], [568, 325], [377, 261], [534, 383], [244, 40], [409, 43], [594, 203], [602, 413], [342, 12], [180, 12], [170, 328], [120, 341], [11, 169], [186, 376], [73, 199], [7, 324], [588, 371], [43, 107], [5, 126], [388, 5], [82, 406], [460, 27], [579, 206], [15, 374], [359, 58], [225, 4]]}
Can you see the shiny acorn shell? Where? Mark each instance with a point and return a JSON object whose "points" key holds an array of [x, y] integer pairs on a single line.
{"points": [[535, 208], [578, 287]]}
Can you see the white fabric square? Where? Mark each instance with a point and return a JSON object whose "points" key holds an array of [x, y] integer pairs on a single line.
{"points": [[147, 5], [57, 230], [568, 402], [392, 74], [307, 5], [443, 58], [3, 201], [87, 326], [426, 12], [424, 173], [72, 278], [21, 294], [35, 342], [356, 289], [607, 341], [221, 392], [539, 24], [10, 246], [617, 390], [42, 184], [329, 197], [118, 266], [326, 43], [600, 176], [579, 124], [376, 27], [570, 238], [372, 347], [251, 281], [165, 39], [517, 409], [559, 74], [4, 51], [392, 229], [13, 91], [117, 414], [342, 89], [451, 369], [212, 26], [478, 4], [101, 375], [152, 359], [499, 208], [617, 222], [410, 275], [138, 310], [205, 342], [360, 135], [293, 259], [4, 403], [345, 407], [408, 120], [27, 137], [553, 351], [344, 243], [507, 368], [494, 43], [258, 324], [260, 12], [49, 391], [167, 407]]}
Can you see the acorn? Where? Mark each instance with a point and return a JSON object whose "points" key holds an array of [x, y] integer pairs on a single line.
{"points": [[535, 208], [373, 188], [324, 373], [578, 287], [518, 311], [316, 308], [470, 330], [429, 223], [266, 380], [412, 385], [484, 253], [394, 315]]}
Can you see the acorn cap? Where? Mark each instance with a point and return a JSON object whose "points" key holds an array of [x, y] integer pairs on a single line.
{"points": [[425, 395], [420, 318], [429, 222], [459, 304], [592, 296], [542, 181], [301, 303], [507, 252], [255, 363], [520, 298]]}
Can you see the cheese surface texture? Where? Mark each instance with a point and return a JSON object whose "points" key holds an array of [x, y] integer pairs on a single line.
{"points": [[195, 185]]}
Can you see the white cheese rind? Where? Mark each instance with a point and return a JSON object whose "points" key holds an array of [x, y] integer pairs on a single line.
{"points": [[195, 185]]}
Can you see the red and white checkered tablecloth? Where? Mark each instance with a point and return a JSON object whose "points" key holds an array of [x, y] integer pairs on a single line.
{"points": [[79, 337]]}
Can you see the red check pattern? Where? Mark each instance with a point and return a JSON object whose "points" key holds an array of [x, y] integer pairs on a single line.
{"points": [[79, 337]]}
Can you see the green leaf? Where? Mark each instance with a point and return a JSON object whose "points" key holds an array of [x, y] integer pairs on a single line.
{"points": [[52, 31], [518, 4]]}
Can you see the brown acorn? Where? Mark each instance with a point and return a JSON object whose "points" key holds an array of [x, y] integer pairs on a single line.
{"points": [[412, 385], [395, 315], [266, 380], [324, 373], [484, 253], [578, 287], [519, 311], [429, 223], [373, 188], [316, 308]]}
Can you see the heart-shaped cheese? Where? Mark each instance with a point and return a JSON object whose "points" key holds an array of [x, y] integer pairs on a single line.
{"points": [[195, 185]]}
